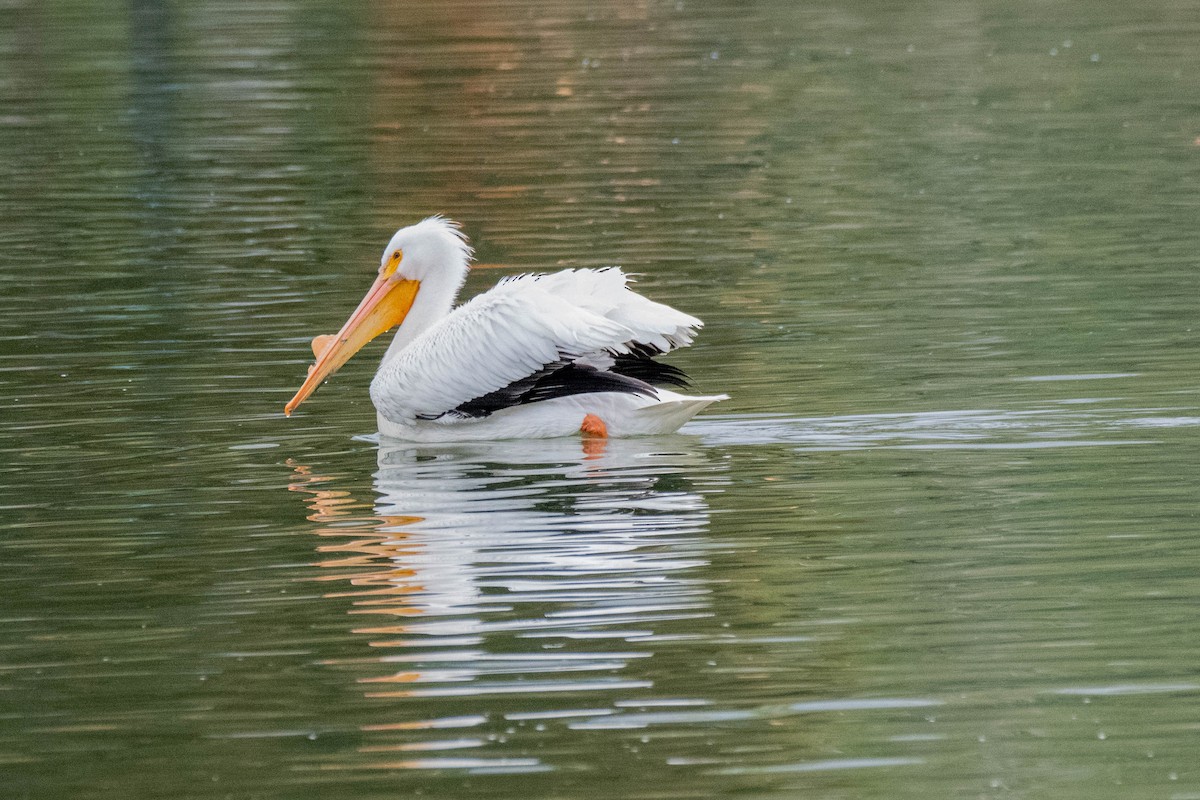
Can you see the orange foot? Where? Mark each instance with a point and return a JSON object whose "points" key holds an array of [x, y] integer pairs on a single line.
{"points": [[595, 436], [594, 427]]}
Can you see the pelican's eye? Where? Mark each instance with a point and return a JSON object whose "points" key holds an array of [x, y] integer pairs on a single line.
{"points": [[389, 267]]}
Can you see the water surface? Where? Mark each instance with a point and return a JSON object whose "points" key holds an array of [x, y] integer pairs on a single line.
{"points": [[940, 542]]}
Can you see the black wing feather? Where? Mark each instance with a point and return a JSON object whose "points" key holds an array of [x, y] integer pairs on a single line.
{"points": [[645, 368], [557, 379]]}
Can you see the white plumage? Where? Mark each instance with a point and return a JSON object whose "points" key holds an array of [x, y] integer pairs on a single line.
{"points": [[533, 357]]}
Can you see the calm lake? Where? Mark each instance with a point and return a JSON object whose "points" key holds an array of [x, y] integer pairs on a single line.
{"points": [[943, 541]]}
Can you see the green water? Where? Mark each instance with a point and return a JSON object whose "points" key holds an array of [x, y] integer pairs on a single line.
{"points": [[943, 541]]}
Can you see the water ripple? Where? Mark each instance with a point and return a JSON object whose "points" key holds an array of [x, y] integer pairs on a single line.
{"points": [[943, 430]]}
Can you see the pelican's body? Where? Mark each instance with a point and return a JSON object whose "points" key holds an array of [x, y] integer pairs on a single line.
{"points": [[536, 356]]}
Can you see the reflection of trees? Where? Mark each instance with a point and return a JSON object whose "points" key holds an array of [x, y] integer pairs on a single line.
{"points": [[860, 201], [932, 179], [169, 171], [544, 127]]}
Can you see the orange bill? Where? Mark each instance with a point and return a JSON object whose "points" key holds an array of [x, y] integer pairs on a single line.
{"points": [[383, 308]]}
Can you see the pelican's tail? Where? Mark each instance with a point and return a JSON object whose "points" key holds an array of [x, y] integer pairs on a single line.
{"points": [[669, 414]]}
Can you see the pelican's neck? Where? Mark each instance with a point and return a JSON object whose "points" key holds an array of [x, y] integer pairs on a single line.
{"points": [[434, 301]]}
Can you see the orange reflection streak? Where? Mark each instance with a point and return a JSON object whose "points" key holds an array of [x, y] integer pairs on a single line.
{"points": [[372, 554], [381, 563], [368, 552], [399, 677]]}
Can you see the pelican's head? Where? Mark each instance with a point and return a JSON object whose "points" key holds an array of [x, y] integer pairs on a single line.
{"points": [[433, 249], [433, 253]]}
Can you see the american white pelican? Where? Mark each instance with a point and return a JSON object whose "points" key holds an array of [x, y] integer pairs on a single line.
{"points": [[536, 356]]}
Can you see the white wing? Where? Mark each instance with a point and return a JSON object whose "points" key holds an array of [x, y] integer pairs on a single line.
{"points": [[606, 292], [515, 330]]}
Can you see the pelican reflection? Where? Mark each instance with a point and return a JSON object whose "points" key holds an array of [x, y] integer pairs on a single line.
{"points": [[509, 570]]}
